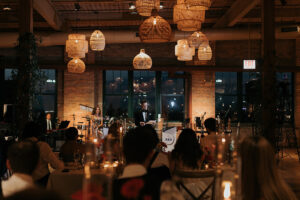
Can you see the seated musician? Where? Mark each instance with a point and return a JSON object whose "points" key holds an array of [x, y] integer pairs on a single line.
{"points": [[143, 116], [70, 147], [48, 124]]}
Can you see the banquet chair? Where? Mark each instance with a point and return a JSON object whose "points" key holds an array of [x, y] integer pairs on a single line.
{"points": [[196, 175]]}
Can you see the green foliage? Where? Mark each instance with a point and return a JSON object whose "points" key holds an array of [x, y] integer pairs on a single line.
{"points": [[28, 77]]}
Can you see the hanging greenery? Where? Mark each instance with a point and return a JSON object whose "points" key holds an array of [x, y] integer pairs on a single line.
{"points": [[28, 78]]}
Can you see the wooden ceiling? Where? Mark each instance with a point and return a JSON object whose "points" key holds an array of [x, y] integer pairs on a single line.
{"points": [[60, 15]]}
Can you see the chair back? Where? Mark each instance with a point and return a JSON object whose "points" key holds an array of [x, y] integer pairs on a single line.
{"points": [[197, 175]]}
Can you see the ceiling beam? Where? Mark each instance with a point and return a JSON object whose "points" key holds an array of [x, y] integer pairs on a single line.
{"points": [[236, 12], [48, 12]]}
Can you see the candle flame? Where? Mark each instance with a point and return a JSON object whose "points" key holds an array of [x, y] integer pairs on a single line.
{"points": [[223, 140], [154, 21], [227, 192]]}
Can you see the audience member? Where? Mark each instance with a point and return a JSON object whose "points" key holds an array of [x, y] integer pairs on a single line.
{"points": [[135, 182], [208, 143], [188, 156], [159, 164], [71, 146], [187, 153], [22, 159], [32, 132], [260, 177]]}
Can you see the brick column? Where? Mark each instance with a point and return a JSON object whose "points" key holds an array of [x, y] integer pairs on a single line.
{"points": [[202, 94], [78, 89]]}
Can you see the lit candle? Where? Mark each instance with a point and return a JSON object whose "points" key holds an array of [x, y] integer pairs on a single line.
{"points": [[206, 166], [223, 140], [227, 192]]}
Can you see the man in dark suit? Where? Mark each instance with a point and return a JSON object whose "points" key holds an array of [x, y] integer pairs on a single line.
{"points": [[143, 116]]}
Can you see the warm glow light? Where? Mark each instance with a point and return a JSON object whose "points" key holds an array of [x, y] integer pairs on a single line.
{"points": [[227, 192], [142, 61], [188, 18], [223, 140], [76, 66], [145, 7], [97, 41], [154, 21], [76, 46], [95, 140], [155, 29], [183, 51]]}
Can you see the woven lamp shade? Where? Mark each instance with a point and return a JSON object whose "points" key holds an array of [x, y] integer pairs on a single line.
{"points": [[196, 39], [145, 7], [142, 61], [76, 46], [97, 41], [188, 18], [201, 4], [155, 29], [204, 52], [183, 51], [76, 66]]}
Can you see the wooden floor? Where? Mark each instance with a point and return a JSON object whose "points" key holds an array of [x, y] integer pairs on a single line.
{"points": [[289, 166]]}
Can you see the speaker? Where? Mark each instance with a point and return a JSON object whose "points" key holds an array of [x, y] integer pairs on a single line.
{"points": [[198, 122]]}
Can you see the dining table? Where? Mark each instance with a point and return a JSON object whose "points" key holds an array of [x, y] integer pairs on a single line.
{"points": [[69, 182]]}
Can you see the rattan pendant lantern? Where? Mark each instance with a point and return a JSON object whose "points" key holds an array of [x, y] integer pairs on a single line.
{"points": [[76, 66], [188, 18], [142, 60], [196, 39], [201, 4], [183, 51], [155, 29], [145, 7], [76, 46], [97, 41], [204, 51]]}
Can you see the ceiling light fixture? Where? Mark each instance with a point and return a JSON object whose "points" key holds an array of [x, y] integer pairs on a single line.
{"points": [[131, 6], [161, 6], [6, 8]]}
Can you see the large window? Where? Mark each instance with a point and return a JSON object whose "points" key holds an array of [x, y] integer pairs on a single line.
{"points": [[238, 92], [144, 85], [226, 95], [116, 93], [172, 90], [124, 90], [46, 97]]}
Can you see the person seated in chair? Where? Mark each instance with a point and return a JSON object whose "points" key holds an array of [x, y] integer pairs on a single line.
{"points": [[32, 132], [139, 145], [188, 156], [71, 146], [22, 159]]}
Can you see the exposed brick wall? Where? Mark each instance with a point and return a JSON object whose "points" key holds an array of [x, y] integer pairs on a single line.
{"points": [[80, 89], [202, 94], [60, 94]]}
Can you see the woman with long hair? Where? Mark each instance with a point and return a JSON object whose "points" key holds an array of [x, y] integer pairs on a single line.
{"points": [[97, 121], [187, 152], [188, 156], [260, 177]]}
